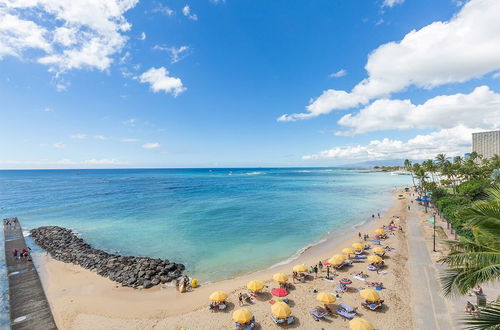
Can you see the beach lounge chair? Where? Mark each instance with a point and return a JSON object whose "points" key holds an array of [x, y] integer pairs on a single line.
{"points": [[277, 320], [358, 260], [290, 320], [347, 308], [318, 313], [222, 307], [373, 306], [345, 314], [341, 288]]}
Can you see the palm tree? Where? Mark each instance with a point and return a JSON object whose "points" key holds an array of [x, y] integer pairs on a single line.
{"points": [[440, 160], [408, 167], [475, 261]]}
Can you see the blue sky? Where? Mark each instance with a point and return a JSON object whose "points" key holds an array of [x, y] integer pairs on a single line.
{"points": [[127, 83]]}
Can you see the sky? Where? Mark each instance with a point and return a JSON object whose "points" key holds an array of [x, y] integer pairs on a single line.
{"points": [[244, 83]]}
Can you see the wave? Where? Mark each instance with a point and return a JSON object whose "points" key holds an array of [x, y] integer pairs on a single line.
{"points": [[254, 173], [297, 254]]}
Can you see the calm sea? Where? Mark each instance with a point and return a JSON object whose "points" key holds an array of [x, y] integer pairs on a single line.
{"points": [[218, 222]]}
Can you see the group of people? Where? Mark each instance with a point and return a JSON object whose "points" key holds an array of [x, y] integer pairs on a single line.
{"points": [[11, 223], [245, 297], [183, 284], [364, 237], [23, 254]]}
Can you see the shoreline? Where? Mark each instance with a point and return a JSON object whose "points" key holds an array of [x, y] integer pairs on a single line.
{"points": [[78, 296]]}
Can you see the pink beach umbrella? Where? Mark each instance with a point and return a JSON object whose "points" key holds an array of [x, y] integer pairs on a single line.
{"points": [[279, 293]]}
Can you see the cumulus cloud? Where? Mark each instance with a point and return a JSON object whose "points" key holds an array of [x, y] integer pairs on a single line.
{"points": [[159, 80], [338, 74], [391, 3], [176, 53], [142, 36], [66, 34], [480, 108], [186, 11], [454, 51], [151, 145], [452, 141], [163, 10], [129, 140]]}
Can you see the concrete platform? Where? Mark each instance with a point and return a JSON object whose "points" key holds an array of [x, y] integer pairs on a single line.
{"points": [[29, 308]]}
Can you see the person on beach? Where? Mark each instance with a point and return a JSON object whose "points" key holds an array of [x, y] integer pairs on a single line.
{"points": [[315, 270], [408, 207], [373, 216], [320, 266], [14, 253], [240, 299], [378, 215], [328, 272], [359, 235]]}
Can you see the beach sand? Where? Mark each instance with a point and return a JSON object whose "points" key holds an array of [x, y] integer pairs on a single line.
{"points": [[80, 299]]}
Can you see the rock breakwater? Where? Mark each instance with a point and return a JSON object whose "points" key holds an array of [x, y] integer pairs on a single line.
{"points": [[62, 244]]}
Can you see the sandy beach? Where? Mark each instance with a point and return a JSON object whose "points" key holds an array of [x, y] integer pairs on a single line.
{"points": [[80, 299]]}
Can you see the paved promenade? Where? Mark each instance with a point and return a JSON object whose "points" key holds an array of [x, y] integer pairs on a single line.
{"points": [[29, 308], [431, 311]]}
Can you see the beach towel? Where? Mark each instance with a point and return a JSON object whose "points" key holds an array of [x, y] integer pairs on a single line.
{"points": [[345, 314], [347, 308], [359, 278]]}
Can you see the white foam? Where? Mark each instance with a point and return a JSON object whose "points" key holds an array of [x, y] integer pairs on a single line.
{"points": [[297, 254]]}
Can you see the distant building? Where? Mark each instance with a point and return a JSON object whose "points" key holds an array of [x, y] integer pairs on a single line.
{"points": [[486, 143]]}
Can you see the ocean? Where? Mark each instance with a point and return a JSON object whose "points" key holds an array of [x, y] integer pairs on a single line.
{"points": [[218, 222]]}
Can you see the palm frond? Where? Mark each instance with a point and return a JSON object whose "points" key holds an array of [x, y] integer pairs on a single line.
{"points": [[488, 319]]}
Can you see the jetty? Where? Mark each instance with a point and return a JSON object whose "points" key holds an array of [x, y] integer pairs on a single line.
{"points": [[29, 308]]}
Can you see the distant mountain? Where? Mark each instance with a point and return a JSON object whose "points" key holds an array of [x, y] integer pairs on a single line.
{"points": [[385, 162]]}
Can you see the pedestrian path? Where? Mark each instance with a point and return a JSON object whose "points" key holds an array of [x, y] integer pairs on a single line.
{"points": [[29, 308], [430, 308]]}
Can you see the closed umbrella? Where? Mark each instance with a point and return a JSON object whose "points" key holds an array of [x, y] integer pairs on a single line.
{"points": [[255, 285], [218, 296], [242, 315], [369, 294], [281, 310], [358, 323], [326, 297]]}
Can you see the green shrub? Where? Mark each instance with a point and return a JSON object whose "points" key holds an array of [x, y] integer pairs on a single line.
{"points": [[473, 189]]}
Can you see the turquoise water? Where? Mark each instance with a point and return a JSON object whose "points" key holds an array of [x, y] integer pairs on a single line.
{"points": [[219, 222]]}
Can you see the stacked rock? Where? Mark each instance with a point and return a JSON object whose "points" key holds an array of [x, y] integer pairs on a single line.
{"points": [[62, 244]]}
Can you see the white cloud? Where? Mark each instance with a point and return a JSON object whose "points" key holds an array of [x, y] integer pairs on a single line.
{"points": [[48, 110], [129, 122], [338, 74], [151, 145], [453, 141], [79, 136], [59, 145], [454, 51], [67, 34], [142, 36], [176, 53], [480, 108], [100, 137], [129, 140], [163, 10], [186, 11], [159, 80], [104, 161], [390, 3]]}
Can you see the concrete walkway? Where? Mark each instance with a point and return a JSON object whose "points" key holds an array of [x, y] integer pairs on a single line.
{"points": [[29, 308], [431, 311]]}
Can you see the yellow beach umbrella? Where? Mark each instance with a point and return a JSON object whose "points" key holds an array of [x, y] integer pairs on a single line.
{"points": [[242, 315], [281, 310], [358, 323], [380, 231], [299, 268], [373, 258], [369, 294], [280, 277], [337, 259], [218, 296], [255, 285], [379, 249], [358, 246], [348, 251], [326, 298]]}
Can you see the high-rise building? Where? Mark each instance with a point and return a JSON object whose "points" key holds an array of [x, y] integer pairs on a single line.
{"points": [[486, 143]]}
